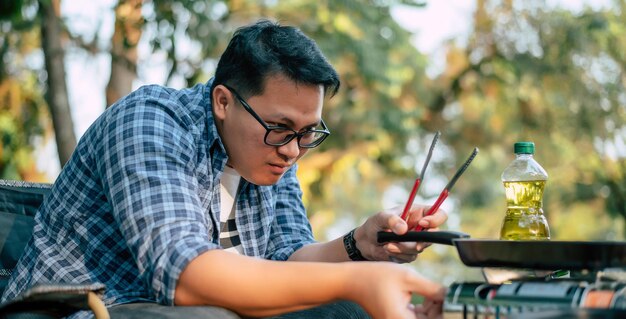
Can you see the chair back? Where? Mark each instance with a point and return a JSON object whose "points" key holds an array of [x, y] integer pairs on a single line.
{"points": [[19, 202]]}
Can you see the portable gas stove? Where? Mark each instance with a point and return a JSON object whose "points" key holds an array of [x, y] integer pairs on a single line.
{"points": [[520, 281], [561, 294], [529, 294]]}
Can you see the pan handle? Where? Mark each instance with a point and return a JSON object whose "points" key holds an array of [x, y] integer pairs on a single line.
{"points": [[438, 237]]}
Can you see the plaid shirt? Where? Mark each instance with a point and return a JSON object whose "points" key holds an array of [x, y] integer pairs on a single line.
{"points": [[139, 199]]}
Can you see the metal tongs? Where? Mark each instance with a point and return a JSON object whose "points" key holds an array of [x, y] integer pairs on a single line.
{"points": [[419, 179], [446, 190]]}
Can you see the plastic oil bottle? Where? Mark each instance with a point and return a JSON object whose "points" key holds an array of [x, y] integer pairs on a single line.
{"points": [[524, 182]]}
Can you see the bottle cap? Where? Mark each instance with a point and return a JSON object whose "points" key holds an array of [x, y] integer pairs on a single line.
{"points": [[524, 148]]}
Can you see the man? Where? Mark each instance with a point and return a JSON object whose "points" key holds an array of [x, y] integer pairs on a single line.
{"points": [[190, 198]]}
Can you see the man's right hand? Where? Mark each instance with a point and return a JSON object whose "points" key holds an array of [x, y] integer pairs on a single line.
{"points": [[385, 290], [260, 288]]}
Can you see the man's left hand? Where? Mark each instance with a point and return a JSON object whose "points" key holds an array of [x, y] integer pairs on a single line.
{"points": [[404, 252]]}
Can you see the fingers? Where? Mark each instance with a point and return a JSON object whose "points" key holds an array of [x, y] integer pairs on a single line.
{"points": [[416, 217], [400, 283], [392, 221], [404, 252], [421, 246], [402, 258], [401, 247], [386, 221], [434, 220], [427, 288], [366, 234], [433, 309], [406, 247], [429, 309]]}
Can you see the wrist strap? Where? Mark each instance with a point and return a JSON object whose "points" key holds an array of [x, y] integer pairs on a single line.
{"points": [[350, 245]]}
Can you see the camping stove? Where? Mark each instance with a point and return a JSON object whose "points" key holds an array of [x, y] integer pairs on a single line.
{"points": [[525, 294]]}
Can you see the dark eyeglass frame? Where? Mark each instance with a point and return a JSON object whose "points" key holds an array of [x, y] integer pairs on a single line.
{"points": [[269, 128]]}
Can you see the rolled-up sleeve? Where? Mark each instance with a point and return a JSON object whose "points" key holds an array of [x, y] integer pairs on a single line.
{"points": [[290, 229], [149, 162]]}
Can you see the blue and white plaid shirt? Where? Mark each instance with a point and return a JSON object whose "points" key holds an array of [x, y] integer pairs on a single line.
{"points": [[139, 199]]}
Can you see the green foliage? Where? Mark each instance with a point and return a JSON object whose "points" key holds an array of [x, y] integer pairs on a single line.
{"points": [[528, 73], [22, 107], [202, 26], [555, 78], [10, 9]]}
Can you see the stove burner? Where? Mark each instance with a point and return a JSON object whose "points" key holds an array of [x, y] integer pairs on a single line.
{"points": [[548, 296]]}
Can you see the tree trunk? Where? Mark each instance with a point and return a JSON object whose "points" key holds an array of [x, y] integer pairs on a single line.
{"points": [[128, 25], [56, 96]]}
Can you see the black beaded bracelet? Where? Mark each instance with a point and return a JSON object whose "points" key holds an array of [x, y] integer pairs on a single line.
{"points": [[350, 245]]}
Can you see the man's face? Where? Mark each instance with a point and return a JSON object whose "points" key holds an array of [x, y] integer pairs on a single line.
{"points": [[283, 103]]}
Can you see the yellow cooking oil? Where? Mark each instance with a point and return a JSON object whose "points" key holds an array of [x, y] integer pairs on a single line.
{"points": [[524, 219]]}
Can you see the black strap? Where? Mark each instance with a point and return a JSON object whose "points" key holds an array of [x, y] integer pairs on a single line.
{"points": [[350, 245]]}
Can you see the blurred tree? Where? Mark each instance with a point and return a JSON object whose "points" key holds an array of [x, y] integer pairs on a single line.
{"points": [[23, 114], [192, 34], [56, 87], [527, 73], [128, 28], [40, 20], [553, 77]]}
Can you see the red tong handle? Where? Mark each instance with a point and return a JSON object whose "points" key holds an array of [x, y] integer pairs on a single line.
{"points": [[409, 203], [433, 209]]}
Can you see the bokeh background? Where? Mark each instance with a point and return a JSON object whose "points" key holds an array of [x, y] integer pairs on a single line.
{"points": [[486, 73]]}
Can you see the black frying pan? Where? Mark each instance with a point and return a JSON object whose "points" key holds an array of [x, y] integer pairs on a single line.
{"points": [[529, 254]]}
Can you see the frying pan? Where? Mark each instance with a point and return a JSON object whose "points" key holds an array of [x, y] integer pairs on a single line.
{"points": [[527, 254]]}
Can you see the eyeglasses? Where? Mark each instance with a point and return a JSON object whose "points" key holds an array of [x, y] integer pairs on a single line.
{"points": [[280, 135]]}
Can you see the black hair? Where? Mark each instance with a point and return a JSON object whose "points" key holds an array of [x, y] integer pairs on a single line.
{"points": [[266, 48]]}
